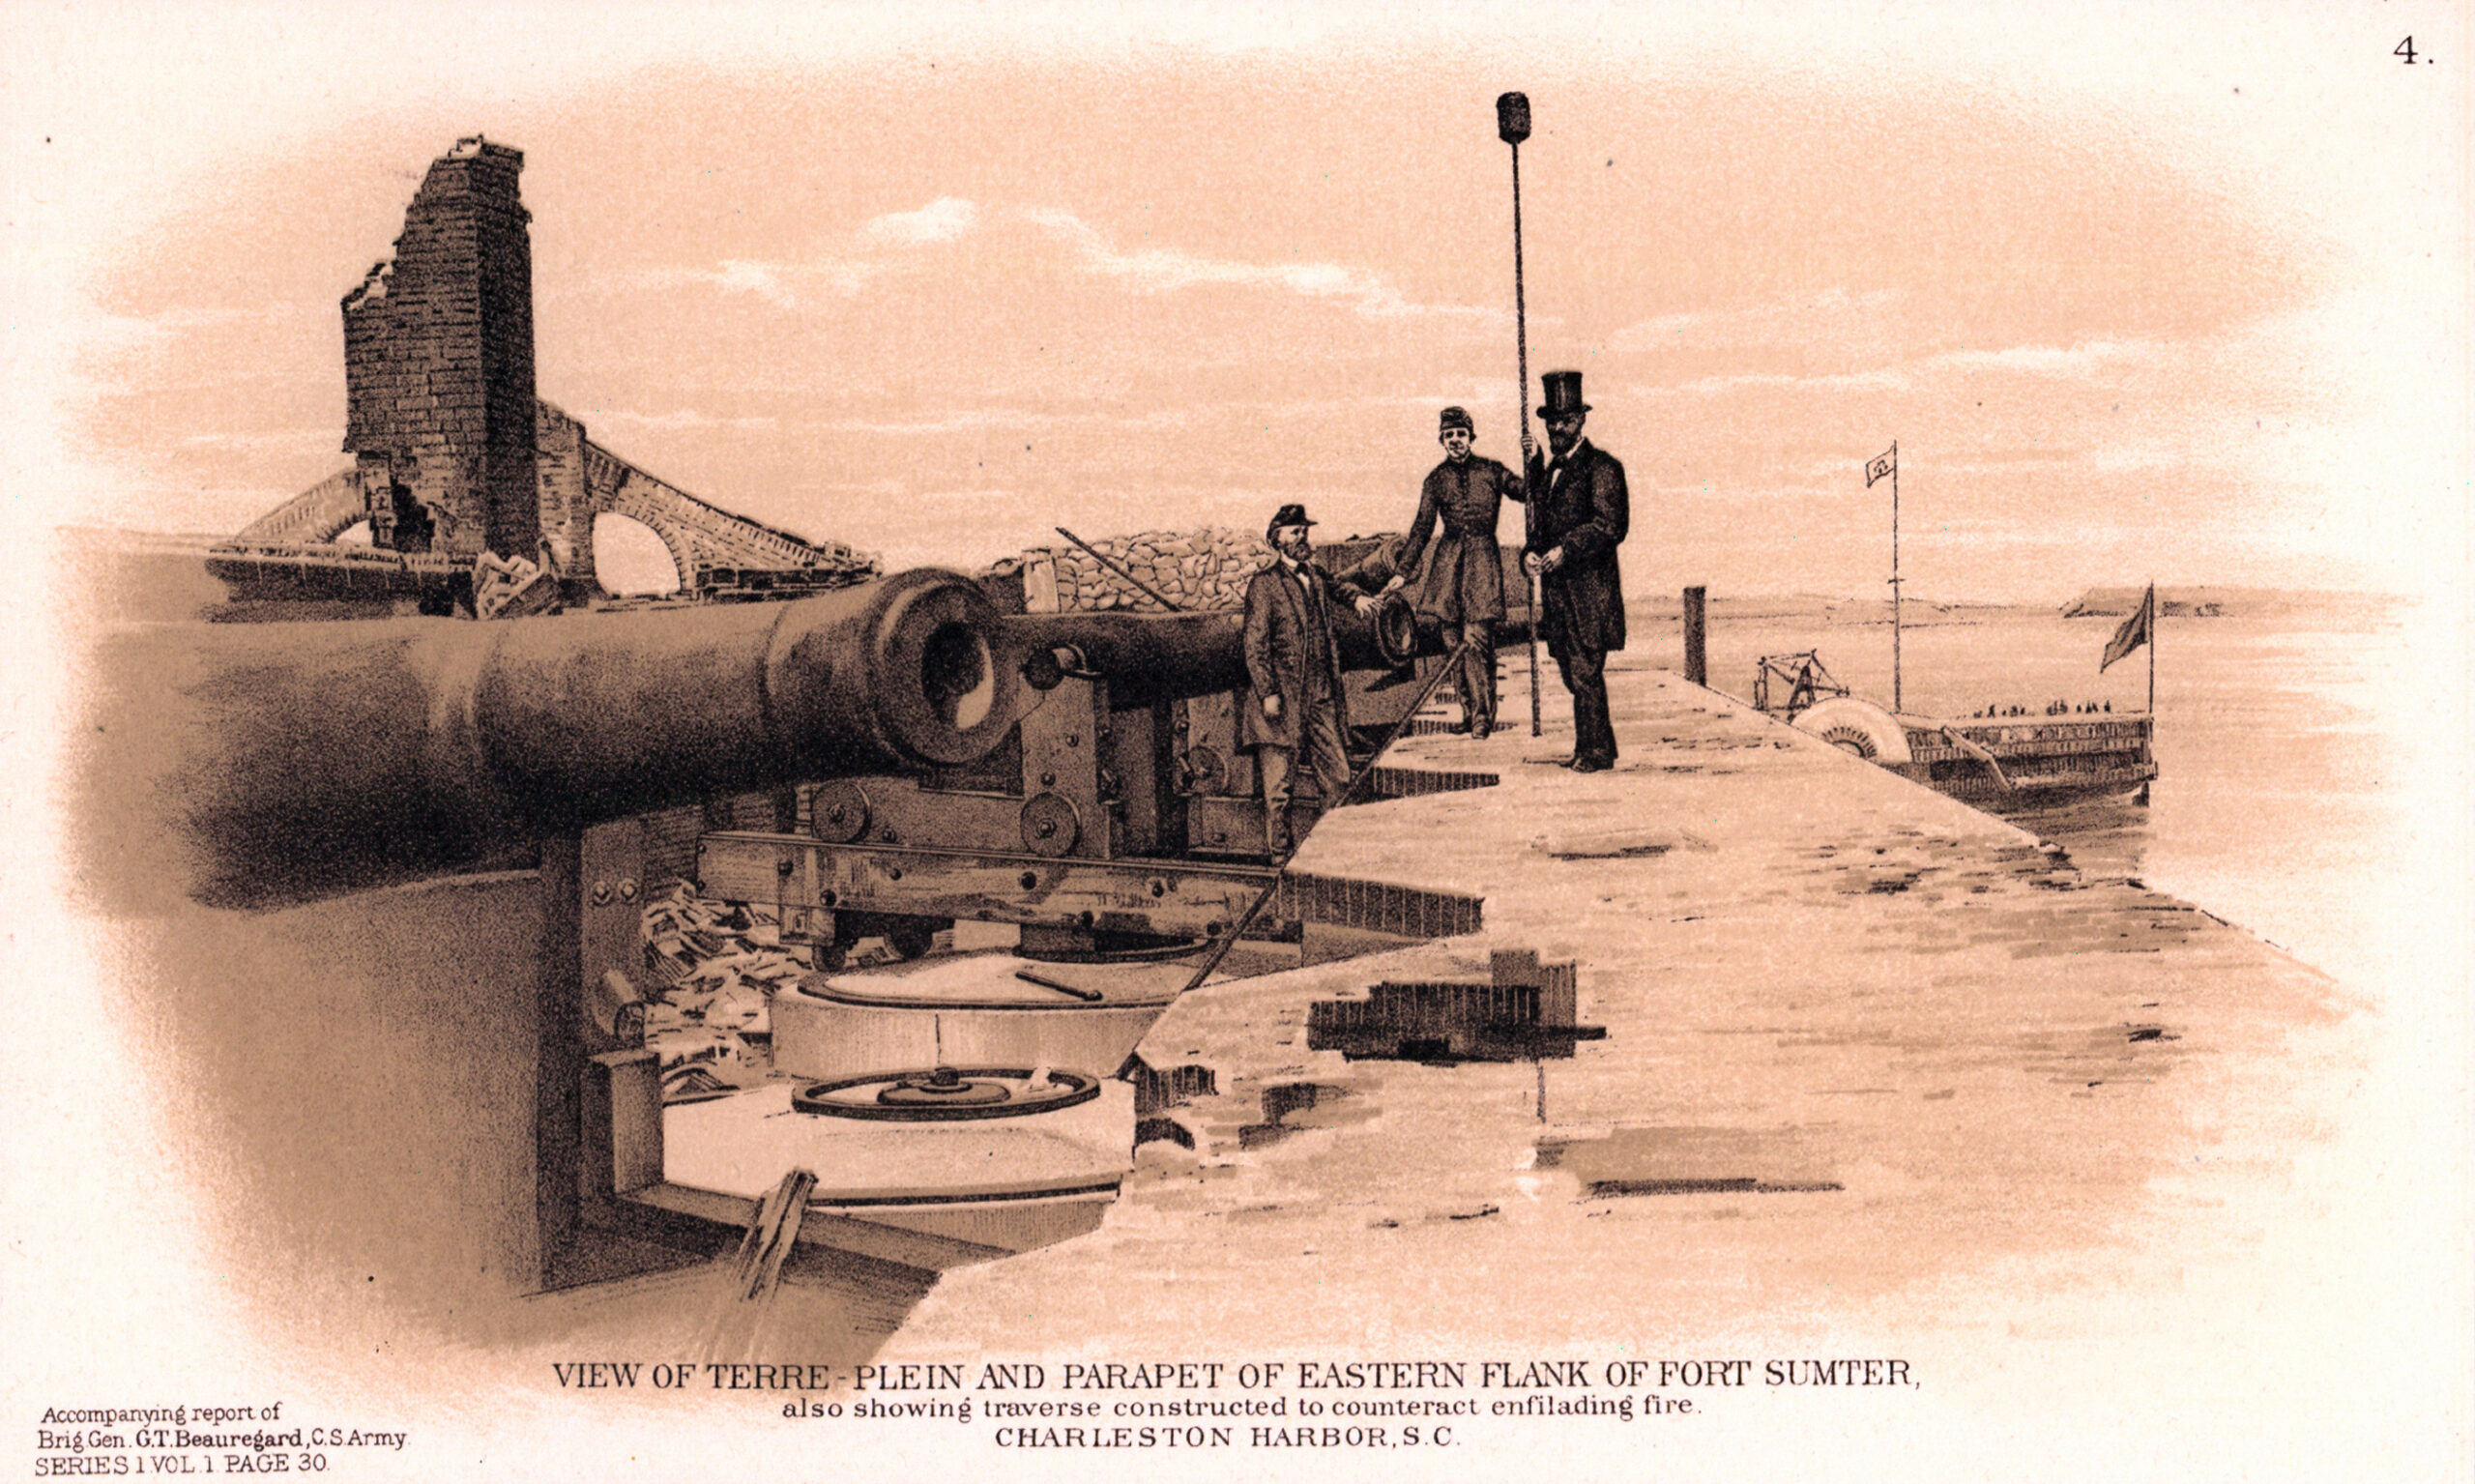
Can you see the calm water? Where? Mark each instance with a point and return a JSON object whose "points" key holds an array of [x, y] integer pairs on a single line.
{"points": [[2283, 796]]}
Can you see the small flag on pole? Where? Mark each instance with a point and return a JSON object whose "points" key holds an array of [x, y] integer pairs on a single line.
{"points": [[2135, 631], [1881, 467]]}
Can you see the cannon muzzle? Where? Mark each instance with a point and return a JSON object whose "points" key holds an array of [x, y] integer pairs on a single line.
{"points": [[278, 763], [1174, 657]]}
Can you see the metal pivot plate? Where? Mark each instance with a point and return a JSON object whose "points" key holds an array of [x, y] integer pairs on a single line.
{"points": [[838, 812], [1050, 824], [947, 1095]]}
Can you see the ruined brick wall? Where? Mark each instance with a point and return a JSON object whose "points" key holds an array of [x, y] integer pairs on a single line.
{"points": [[318, 513], [438, 357], [566, 504], [702, 534]]}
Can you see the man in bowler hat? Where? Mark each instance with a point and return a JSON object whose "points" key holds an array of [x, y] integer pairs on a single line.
{"points": [[1578, 518], [1463, 586], [1298, 714]]}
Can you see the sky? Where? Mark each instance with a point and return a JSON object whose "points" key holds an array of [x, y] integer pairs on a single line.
{"points": [[2140, 295]]}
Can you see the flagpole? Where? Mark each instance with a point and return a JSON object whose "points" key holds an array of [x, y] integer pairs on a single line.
{"points": [[1896, 707], [2152, 687], [2152, 665]]}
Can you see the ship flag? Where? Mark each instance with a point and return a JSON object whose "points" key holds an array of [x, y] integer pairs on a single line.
{"points": [[2135, 632], [1882, 467]]}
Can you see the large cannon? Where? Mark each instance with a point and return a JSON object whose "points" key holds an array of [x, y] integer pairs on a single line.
{"points": [[298, 761], [279, 763], [389, 871]]}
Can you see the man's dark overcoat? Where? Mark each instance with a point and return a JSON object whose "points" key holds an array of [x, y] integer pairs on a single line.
{"points": [[1582, 506], [1464, 583], [1290, 652]]}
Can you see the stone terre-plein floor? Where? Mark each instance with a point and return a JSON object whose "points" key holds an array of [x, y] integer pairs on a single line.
{"points": [[2022, 1081]]}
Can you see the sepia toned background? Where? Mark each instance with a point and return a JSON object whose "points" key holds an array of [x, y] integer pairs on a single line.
{"points": [[2174, 297]]}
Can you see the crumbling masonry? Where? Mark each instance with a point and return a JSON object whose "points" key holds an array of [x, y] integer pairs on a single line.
{"points": [[455, 456]]}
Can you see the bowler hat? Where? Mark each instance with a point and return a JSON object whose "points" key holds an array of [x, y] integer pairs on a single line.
{"points": [[1289, 515], [1455, 417], [1563, 394]]}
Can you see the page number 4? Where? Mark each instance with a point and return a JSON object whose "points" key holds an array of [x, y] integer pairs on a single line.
{"points": [[2406, 51]]}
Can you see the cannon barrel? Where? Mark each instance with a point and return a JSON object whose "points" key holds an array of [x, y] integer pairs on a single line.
{"points": [[279, 763], [1170, 657]]}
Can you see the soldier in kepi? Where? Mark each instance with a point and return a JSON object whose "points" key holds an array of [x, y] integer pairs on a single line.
{"points": [[1578, 518], [1463, 586], [1298, 714]]}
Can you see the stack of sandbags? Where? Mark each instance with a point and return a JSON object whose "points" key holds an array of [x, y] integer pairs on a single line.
{"points": [[1194, 571]]}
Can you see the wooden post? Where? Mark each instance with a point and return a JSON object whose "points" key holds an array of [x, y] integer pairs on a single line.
{"points": [[1697, 667], [1512, 125]]}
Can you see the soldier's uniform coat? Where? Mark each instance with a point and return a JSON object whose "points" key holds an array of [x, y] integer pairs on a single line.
{"points": [[1464, 581]]}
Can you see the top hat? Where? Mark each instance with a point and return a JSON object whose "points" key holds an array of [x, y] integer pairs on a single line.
{"points": [[1289, 515], [1563, 394], [1455, 417]]}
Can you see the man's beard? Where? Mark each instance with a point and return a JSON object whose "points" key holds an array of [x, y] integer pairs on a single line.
{"points": [[1561, 444]]}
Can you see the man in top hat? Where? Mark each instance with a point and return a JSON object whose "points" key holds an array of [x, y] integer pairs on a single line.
{"points": [[1463, 587], [1579, 514], [1298, 714]]}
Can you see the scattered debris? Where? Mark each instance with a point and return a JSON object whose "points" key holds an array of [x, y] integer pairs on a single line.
{"points": [[1156, 1089], [1605, 1190], [1525, 1012], [715, 969], [1280, 1100], [512, 586], [1161, 1130]]}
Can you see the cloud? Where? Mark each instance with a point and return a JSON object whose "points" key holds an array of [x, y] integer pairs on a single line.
{"points": [[280, 440], [943, 220], [2082, 360], [783, 284], [1802, 317], [684, 418], [972, 419], [876, 249], [1883, 379], [1166, 270]]}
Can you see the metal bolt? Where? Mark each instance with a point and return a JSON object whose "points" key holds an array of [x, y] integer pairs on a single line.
{"points": [[628, 889], [601, 893], [1030, 879]]}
